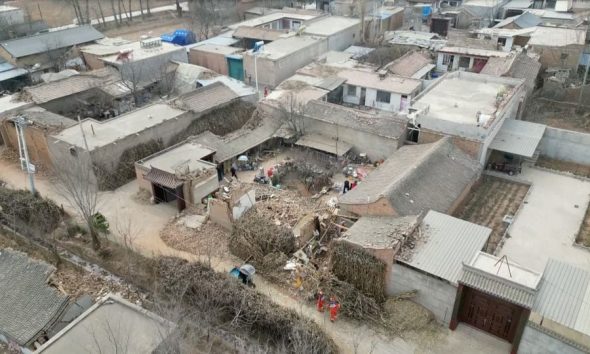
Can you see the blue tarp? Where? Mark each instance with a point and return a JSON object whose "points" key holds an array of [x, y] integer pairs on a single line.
{"points": [[179, 37]]}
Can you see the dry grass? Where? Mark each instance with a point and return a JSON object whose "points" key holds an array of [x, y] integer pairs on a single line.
{"points": [[557, 115], [564, 166], [584, 234], [490, 202]]}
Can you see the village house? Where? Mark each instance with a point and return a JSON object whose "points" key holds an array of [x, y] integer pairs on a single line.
{"points": [[558, 47], [414, 64], [416, 178], [471, 108], [47, 51], [41, 124], [184, 173], [30, 305], [465, 59], [112, 322], [379, 90]]}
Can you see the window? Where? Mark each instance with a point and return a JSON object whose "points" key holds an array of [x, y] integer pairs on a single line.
{"points": [[295, 25], [446, 59], [383, 96], [351, 90], [464, 62]]}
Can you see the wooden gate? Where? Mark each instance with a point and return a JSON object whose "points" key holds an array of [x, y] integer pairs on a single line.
{"points": [[490, 314]]}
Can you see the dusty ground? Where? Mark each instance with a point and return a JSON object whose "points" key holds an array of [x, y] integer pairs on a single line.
{"points": [[564, 166], [489, 203], [550, 218], [351, 337], [557, 116], [60, 12], [167, 23]]}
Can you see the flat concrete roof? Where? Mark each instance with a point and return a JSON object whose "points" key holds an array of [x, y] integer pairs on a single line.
{"points": [[220, 49], [186, 158], [547, 225], [510, 271], [327, 26], [286, 46], [10, 103], [101, 133], [391, 83], [258, 21], [139, 53], [458, 99], [557, 37], [111, 323]]}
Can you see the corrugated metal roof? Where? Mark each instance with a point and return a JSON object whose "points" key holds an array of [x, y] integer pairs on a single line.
{"points": [[518, 137], [42, 42], [10, 74], [448, 243], [564, 295], [323, 143], [497, 287]]}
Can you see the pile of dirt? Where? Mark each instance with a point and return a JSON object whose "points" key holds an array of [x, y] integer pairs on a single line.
{"points": [[283, 206], [356, 266], [254, 238], [404, 315], [34, 213], [210, 239], [224, 300]]}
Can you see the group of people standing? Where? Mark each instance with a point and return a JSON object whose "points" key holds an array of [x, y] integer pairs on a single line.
{"points": [[333, 305]]}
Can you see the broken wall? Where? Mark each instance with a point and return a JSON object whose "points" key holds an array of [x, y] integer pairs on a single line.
{"points": [[376, 147], [36, 143]]}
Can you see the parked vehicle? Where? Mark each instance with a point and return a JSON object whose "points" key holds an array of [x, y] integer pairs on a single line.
{"points": [[510, 168], [245, 273]]}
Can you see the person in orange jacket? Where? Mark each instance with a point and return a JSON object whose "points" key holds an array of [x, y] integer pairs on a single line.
{"points": [[321, 298], [334, 308]]}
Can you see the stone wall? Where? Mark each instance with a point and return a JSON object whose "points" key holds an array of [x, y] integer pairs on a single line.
{"points": [[535, 340]]}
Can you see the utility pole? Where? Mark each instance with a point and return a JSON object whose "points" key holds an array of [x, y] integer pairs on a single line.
{"points": [[583, 84], [20, 123]]}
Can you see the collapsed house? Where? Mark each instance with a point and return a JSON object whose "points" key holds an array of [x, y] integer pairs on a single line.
{"points": [[416, 178]]}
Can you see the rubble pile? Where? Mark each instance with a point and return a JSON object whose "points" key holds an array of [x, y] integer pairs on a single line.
{"points": [[254, 238], [283, 207]]}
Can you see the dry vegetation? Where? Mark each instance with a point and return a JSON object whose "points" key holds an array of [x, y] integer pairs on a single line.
{"points": [[564, 166], [490, 202], [584, 233], [557, 115]]}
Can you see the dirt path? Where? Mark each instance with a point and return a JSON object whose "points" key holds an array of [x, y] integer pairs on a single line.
{"points": [[148, 220]]}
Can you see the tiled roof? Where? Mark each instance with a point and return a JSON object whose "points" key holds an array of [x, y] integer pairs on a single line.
{"points": [[408, 64], [71, 85], [28, 305], [418, 178], [163, 178], [207, 97]]}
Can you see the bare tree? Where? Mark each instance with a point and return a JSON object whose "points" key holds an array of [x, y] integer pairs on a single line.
{"points": [[132, 75], [292, 113], [77, 183]]}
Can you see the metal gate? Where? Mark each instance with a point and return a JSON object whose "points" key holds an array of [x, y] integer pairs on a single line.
{"points": [[235, 67], [490, 314]]}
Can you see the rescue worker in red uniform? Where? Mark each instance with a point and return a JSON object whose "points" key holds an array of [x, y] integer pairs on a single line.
{"points": [[334, 308], [321, 298]]}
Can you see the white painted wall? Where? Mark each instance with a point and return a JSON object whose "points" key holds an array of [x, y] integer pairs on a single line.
{"points": [[245, 202], [371, 99]]}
